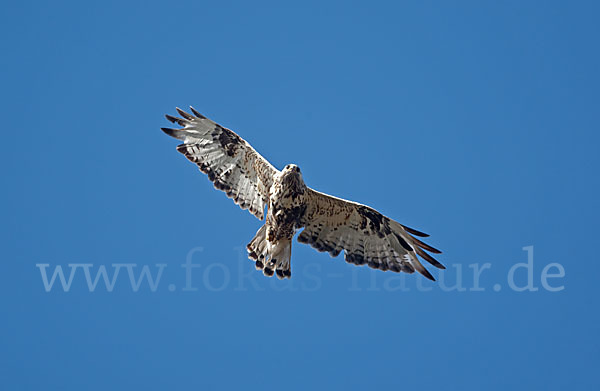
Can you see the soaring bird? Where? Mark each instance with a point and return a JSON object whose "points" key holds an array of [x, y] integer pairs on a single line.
{"points": [[330, 224]]}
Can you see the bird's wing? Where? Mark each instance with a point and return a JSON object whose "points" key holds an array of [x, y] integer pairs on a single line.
{"points": [[366, 236], [229, 161]]}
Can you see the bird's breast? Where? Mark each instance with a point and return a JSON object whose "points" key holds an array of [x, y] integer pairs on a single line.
{"points": [[288, 206]]}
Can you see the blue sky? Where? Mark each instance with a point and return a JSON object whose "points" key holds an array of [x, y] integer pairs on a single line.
{"points": [[476, 122]]}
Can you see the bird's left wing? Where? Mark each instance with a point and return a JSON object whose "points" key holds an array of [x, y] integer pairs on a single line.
{"points": [[229, 161], [366, 236]]}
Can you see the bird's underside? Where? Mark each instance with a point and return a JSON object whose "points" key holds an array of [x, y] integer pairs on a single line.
{"points": [[328, 223]]}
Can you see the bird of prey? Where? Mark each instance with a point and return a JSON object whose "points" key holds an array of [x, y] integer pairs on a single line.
{"points": [[330, 224]]}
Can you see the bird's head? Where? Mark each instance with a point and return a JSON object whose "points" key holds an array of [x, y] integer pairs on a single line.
{"points": [[292, 173], [291, 168]]}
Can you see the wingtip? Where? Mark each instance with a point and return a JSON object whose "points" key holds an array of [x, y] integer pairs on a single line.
{"points": [[425, 246], [170, 132], [428, 275], [429, 258], [176, 120], [185, 115], [196, 113], [415, 232]]}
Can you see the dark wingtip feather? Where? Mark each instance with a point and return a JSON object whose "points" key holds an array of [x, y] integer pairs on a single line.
{"points": [[196, 113], [415, 232], [184, 114], [426, 246], [426, 273], [430, 259], [431, 249], [175, 120], [169, 131]]}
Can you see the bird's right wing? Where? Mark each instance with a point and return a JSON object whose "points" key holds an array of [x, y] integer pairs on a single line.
{"points": [[366, 236], [229, 161]]}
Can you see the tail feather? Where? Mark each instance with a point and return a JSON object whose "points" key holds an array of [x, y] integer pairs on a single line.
{"points": [[271, 258]]}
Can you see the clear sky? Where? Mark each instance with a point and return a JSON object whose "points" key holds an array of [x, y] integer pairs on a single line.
{"points": [[474, 121]]}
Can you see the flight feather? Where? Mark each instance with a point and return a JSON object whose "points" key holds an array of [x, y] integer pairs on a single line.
{"points": [[229, 161]]}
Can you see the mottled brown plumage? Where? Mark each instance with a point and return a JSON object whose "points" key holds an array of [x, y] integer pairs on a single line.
{"points": [[330, 224]]}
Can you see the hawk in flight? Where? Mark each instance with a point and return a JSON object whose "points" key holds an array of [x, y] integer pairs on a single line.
{"points": [[330, 224]]}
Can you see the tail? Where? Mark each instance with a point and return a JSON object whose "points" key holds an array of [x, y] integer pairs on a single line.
{"points": [[271, 257]]}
